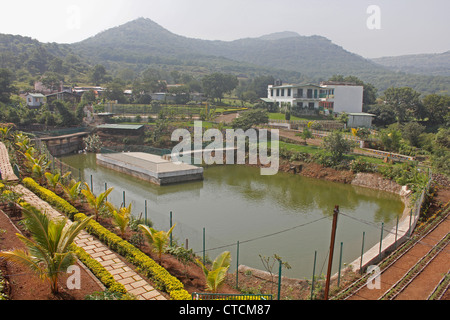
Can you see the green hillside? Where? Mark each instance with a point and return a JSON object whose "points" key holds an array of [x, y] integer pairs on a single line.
{"points": [[142, 44]]}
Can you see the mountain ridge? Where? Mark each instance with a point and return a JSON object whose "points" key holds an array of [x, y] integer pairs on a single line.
{"points": [[142, 43]]}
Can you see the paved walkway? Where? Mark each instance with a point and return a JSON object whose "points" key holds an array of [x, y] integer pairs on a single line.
{"points": [[123, 274], [5, 165], [132, 281]]}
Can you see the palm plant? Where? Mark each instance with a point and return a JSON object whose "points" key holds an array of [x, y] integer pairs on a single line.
{"points": [[158, 239], [53, 180], [97, 203], [23, 142], [215, 277], [48, 251], [36, 165], [5, 133], [72, 190], [121, 217]]}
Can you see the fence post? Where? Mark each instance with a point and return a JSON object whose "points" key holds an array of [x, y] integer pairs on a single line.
{"points": [[203, 246], [314, 274], [381, 239], [124, 205], [340, 263], [410, 218], [170, 228], [237, 265], [145, 210], [362, 252], [92, 185], [396, 231], [279, 280]]}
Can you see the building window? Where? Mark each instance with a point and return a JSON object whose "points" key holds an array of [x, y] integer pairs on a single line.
{"points": [[311, 105], [309, 94], [278, 92], [289, 92], [282, 92], [300, 93]]}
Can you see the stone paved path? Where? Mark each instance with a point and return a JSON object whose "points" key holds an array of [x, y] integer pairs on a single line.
{"points": [[132, 281], [5, 165]]}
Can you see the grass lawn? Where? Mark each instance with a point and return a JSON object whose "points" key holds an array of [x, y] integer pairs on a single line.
{"points": [[281, 116], [315, 149]]}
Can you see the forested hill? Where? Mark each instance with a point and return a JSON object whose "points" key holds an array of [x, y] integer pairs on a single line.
{"points": [[144, 41], [313, 58], [432, 64], [143, 44]]}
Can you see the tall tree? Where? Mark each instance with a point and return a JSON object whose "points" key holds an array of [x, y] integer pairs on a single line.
{"points": [[97, 74], [405, 103], [437, 107], [6, 86], [217, 84]]}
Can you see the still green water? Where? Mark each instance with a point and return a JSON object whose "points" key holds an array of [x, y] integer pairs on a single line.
{"points": [[285, 214]]}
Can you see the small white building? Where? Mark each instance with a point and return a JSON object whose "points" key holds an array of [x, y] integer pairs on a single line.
{"points": [[35, 100], [328, 97], [360, 120], [344, 97]]}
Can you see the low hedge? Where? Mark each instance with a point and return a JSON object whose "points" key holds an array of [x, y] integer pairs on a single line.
{"points": [[50, 197], [163, 279], [98, 270]]}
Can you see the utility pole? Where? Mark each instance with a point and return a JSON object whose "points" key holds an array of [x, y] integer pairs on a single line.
{"points": [[330, 260]]}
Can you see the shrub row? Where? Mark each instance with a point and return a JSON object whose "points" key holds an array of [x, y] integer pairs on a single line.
{"points": [[98, 270], [50, 197], [164, 280]]}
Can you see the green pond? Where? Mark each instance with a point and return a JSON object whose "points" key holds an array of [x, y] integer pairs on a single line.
{"points": [[285, 214]]}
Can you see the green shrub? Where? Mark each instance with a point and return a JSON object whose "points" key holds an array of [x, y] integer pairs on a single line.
{"points": [[360, 165]]}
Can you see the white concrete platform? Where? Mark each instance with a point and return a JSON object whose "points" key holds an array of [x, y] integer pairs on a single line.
{"points": [[150, 167]]}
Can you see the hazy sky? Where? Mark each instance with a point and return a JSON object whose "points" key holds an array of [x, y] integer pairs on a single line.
{"points": [[394, 27]]}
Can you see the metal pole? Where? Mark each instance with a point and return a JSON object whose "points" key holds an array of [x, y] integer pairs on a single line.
{"points": [[170, 228], [381, 239], [279, 281], [92, 185], [314, 274], [340, 262], [410, 218], [203, 246], [237, 265], [146, 222], [330, 260], [396, 231], [362, 252], [124, 205]]}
